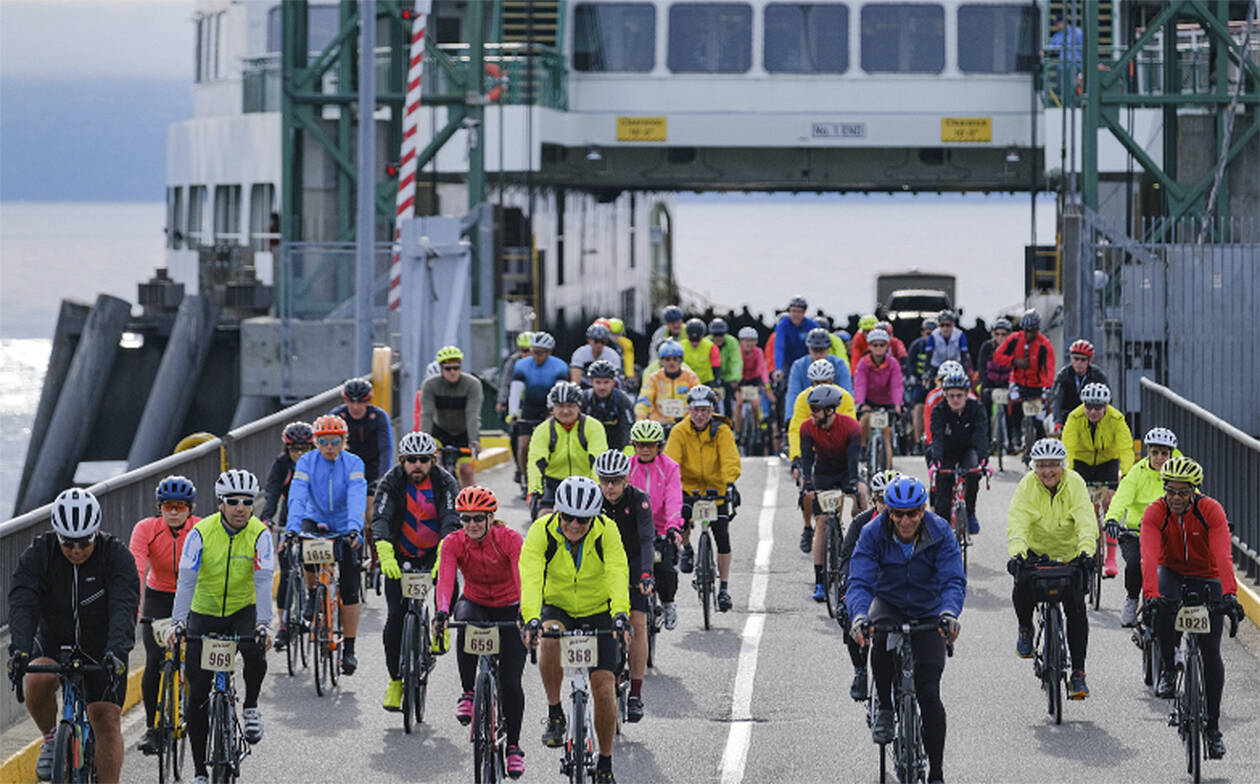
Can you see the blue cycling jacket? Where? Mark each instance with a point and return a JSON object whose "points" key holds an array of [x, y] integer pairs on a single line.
{"points": [[798, 379], [789, 341], [330, 492], [931, 581], [537, 380]]}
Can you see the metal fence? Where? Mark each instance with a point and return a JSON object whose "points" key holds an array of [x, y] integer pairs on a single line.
{"points": [[1230, 460]]}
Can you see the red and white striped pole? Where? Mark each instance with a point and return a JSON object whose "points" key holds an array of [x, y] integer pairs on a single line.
{"points": [[405, 203]]}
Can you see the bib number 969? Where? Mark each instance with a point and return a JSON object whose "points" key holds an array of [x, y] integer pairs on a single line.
{"points": [[218, 655]]}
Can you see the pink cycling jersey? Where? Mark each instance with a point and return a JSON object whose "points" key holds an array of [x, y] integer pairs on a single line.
{"points": [[156, 549], [489, 566], [662, 482]]}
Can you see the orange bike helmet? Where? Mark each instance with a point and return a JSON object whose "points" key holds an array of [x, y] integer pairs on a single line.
{"points": [[476, 499], [330, 424]]}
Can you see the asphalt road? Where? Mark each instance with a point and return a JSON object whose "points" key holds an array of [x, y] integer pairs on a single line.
{"points": [[763, 696]]}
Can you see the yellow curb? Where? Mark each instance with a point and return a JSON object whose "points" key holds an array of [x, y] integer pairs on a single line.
{"points": [[20, 766], [492, 457], [488, 442], [1249, 599]]}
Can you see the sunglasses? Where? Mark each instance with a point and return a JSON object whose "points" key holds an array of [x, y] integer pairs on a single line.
{"points": [[174, 506], [1179, 493], [897, 514], [329, 441], [421, 459], [238, 502], [568, 518], [1093, 407], [77, 544], [450, 367], [476, 518], [300, 447]]}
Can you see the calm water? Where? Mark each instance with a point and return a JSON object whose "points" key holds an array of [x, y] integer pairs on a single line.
{"points": [[732, 249]]}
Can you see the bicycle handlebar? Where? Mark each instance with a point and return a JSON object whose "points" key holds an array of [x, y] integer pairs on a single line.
{"points": [[66, 667], [887, 626]]}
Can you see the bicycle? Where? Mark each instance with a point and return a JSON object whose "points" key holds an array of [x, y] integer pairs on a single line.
{"points": [[1052, 584], [325, 623], [910, 762], [415, 657], [172, 705], [997, 423], [656, 613], [489, 727], [1028, 424], [74, 745], [450, 456], [578, 653], [226, 748], [831, 502], [876, 460], [1097, 495], [1147, 642], [959, 520], [749, 430], [295, 606], [1189, 715], [704, 512]]}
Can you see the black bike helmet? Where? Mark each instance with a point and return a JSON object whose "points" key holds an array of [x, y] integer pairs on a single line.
{"points": [[695, 329], [601, 368], [356, 390]]}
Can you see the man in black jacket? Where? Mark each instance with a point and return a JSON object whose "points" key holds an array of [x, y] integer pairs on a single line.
{"points": [[960, 440], [76, 587], [298, 438], [613, 408], [1065, 395], [414, 511]]}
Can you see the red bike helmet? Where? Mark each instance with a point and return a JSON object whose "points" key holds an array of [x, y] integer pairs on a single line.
{"points": [[1083, 347], [476, 499]]}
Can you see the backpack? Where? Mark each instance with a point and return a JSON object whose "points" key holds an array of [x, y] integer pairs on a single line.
{"points": [[581, 431]]}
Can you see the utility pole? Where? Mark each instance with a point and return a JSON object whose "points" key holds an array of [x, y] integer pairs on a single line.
{"points": [[365, 220]]}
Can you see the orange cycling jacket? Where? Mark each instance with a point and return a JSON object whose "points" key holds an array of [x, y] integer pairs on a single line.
{"points": [[156, 547]]}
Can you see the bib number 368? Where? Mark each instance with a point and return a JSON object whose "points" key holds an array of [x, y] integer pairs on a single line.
{"points": [[579, 652]]}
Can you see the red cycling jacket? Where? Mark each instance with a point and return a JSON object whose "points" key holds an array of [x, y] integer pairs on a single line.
{"points": [[1195, 544], [491, 576], [156, 547], [1041, 353]]}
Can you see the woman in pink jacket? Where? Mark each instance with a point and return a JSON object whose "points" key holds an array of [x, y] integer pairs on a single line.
{"points": [[659, 477]]}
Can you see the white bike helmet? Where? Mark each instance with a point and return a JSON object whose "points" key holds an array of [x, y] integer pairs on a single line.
{"points": [[543, 340], [881, 481], [1095, 395], [579, 496], [612, 463], [949, 367], [236, 481], [821, 370], [76, 514], [1160, 436], [432, 369], [417, 444], [1048, 449], [876, 336], [747, 333]]}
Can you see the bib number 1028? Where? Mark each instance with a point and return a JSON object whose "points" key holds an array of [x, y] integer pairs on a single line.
{"points": [[1194, 620]]}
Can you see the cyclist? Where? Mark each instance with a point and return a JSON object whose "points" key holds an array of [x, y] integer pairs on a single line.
{"points": [[1139, 488], [1100, 449], [994, 375], [914, 370], [487, 553], [878, 384], [221, 591], [671, 382], [414, 512], [629, 507], [452, 409], [1072, 379], [523, 340], [659, 477], [821, 373], [597, 347], [753, 374], [76, 586], [368, 433], [618, 329], [574, 574], [1030, 355], [960, 442], [817, 344], [947, 342], [328, 486], [1186, 544], [830, 453], [298, 439], [613, 408], [1051, 515], [703, 446], [937, 394], [732, 370], [859, 347], [564, 445], [906, 566], [156, 543], [857, 653], [846, 340], [532, 380], [671, 328], [789, 335], [895, 346], [699, 353]]}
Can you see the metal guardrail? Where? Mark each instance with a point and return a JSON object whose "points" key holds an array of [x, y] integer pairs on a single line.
{"points": [[1230, 460]]}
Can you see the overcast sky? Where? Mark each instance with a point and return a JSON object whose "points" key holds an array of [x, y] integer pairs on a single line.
{"points": [[60, 39]]}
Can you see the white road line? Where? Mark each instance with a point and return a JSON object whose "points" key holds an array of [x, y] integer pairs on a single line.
{"points": [[740, 737]]}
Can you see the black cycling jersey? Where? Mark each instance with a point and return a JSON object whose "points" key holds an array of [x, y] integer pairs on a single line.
{"points": [[953, 435], [370, 438], [277, 485], [615, 413]]}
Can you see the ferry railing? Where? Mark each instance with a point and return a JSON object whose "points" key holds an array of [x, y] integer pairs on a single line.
{"points": [[1230, 460]]}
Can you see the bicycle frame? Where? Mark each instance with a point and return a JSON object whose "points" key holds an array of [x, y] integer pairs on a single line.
{"points": [[705, 580], [489, 761], [74, 746], [226, 748], [168, 720], [1050, 651], [1189, 713], [909, 754], [579, 745], [414, 665], [326, 641]]}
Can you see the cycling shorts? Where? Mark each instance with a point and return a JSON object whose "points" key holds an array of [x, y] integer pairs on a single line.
{"points": [[96, 685], [721, 527], [446, 438], [918, 394], [1104, 473], [605, 644], [827, 482]]}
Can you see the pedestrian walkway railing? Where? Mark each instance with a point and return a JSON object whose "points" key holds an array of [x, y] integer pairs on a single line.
{"points": [[1230, 460]]}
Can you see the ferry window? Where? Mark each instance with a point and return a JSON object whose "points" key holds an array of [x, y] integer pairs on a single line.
{"points": [[174, 217], [322, 25], [614, 37], [996, 38], [710, 37], [903, 38], [807, 38], [227, 213], [196, 201], [264, 221]]}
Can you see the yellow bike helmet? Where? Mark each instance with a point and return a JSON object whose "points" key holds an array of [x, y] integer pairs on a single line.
{"points": [[447, 353], [524, 339], [1182, 469], [867, 322], [616, 325]]}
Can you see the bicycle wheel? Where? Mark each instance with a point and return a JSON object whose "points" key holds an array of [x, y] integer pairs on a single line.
{"points": [[704, 577], [423, 663], [217, 750], [1193, 715], [407, 668], [1053, 674], [1150, 661], [332, 646], [65, 753], [577, 751], [319, 640], [960, 531], [483, 731], [654, 612], [999, 435], [831, 566], [292, 615]]}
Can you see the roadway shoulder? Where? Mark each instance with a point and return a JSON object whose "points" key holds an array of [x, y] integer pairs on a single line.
{"points": [[1249, 598]]}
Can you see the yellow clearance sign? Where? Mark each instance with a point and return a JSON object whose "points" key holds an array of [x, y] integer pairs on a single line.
{"points": [[640, 129], [966, 129]]}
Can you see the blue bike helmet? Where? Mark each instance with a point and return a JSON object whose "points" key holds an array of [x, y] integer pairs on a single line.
{"points": [[905, 493], [844, 335], [176, 488], [671, 348]]}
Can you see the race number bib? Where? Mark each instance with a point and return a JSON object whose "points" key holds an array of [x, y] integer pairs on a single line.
{"points": [[704, 511], [830, 500], [750, 394], [1194, 620], [672, 407], [317, 551], [218, 655], [481, 642], [1032, 408], [416, 585], [879, 419], [578, 652], [1001, 396], [656, 557]]}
